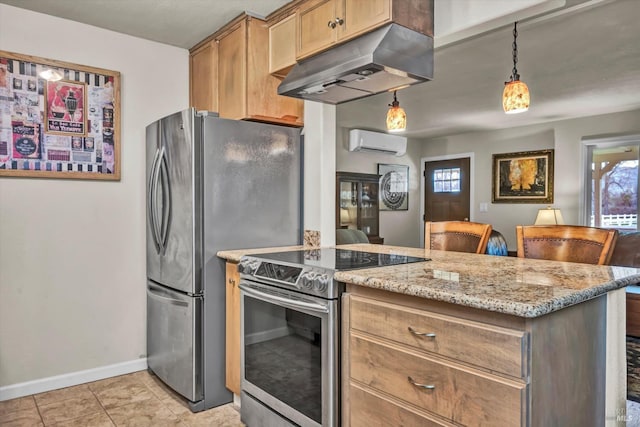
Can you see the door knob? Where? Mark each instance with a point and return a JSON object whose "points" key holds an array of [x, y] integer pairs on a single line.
{"points": [[331, 24], [339, 21]]}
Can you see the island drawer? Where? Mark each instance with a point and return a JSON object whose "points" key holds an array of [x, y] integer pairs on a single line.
{"points": [[462, 395], [369, 408], [491, 347]]}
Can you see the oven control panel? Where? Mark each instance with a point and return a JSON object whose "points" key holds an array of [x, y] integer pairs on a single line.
{"points": [[309, 280], [315, 282]]}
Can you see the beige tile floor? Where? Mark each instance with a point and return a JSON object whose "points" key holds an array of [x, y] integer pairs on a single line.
{"points": [[133, 400]]}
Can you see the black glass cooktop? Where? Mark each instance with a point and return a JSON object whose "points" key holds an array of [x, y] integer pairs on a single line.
{"points": [[338, 259]]}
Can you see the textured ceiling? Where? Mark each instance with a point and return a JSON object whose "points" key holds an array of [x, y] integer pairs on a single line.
{"points": [[181, 23], [580, 61]]}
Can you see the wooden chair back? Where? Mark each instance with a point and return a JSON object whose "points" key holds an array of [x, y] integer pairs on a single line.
{"points": [[457, 236], [572, 243]]}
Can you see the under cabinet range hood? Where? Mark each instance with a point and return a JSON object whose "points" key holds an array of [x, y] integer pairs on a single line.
{"points": [[385, 59]]}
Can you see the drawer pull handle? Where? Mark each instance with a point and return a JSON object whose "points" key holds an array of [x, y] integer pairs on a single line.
{"points": [[421, 334], [426, 386]]}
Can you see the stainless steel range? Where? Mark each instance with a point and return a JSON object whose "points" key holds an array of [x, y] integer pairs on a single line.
{"points": [[291, 333]]}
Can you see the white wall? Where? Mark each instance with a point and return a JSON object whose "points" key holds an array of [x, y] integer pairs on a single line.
{"points": [[564, 136], [399, 228], [319, 170], [72, 252]]}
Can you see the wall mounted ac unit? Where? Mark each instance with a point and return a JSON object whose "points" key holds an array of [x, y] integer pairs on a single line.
{"points": [[364, 140]]}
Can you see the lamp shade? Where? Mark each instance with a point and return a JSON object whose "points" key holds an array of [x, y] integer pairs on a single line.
{"points": [[344, 216], [515, 98], [396, 119], [549, 216]]}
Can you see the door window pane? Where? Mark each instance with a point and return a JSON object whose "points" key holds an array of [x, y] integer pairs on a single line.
{"points": [[446, 180]]}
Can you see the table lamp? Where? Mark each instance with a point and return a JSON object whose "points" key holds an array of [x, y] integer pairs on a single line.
{"points": [[344, 216], [549, 216]]}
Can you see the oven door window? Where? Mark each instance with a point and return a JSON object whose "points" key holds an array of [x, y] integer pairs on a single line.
{"points": [[283, 355]]}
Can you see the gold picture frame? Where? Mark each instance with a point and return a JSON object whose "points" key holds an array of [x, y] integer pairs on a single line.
{"points": [[68, 127], [523, 177]]}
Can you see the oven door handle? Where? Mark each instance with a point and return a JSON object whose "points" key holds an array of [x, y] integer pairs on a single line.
{"points": [[267, 296]]}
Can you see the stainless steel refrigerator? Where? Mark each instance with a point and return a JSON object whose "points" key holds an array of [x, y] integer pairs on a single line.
{"points": [[212, 184]]}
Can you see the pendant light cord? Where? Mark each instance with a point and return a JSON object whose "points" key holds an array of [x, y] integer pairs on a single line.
{"points": [[395, 102], [515, 75]]}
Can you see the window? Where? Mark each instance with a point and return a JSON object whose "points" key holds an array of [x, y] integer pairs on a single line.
{"points": [[612, 185], [446, 180]]}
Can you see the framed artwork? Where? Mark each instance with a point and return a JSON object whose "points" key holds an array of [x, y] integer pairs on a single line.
{"points": [[394, 187], [524, 177], [58, 120]]}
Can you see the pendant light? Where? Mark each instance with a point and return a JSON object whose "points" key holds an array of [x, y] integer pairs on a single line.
{"points": [[396, 117], [515, 98]]}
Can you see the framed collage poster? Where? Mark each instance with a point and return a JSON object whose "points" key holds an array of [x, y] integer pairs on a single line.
{"points": [[524, 177], [58, 120], [394, 187]]}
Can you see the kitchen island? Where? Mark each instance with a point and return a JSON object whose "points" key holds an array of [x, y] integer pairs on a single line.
{"points": [[482, 340]]}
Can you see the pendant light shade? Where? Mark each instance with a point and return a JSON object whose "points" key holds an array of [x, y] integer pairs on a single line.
{"points": [[515, 97], [396, 117]]}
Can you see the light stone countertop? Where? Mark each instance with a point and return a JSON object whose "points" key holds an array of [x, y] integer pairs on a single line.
{"points": [[235, 254], [516, 286]]}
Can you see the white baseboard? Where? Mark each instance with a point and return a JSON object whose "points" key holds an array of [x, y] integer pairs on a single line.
{"points": [[71, 379]]}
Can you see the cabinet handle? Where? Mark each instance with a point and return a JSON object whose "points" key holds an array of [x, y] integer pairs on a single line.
{"points": [[339, 21], [426, 386], [422, 334], [331, 24]]}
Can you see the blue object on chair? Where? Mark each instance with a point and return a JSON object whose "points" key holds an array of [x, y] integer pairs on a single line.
{"points": [[497, 245]]}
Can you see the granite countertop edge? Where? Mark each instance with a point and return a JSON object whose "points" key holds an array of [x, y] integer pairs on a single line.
{"points": [[378, 278], [487, 303]]}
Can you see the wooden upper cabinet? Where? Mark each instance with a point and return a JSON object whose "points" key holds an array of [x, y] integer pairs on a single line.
{"points": [[282, 46], [316, 26], [324, 23], [240, 77], [362, 15], [203, 82], [232, 66]]}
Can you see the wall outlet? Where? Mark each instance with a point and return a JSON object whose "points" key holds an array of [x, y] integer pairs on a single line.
{"points": [[484, 207]]}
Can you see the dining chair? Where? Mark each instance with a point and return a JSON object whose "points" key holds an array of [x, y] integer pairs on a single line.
{"points": [[572, 243], [457, 236]]}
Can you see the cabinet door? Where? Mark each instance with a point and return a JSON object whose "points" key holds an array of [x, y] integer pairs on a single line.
{"points": [[282, 46], [369, 208], [232, 342], [204, 78], [314, 31], [362, 15], [232, 69], [348, 204]]}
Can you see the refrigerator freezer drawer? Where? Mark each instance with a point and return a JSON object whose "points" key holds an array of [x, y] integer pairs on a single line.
{"points": [[174, 339]]}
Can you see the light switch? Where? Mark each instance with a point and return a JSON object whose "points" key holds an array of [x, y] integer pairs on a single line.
{"points": [[484, 207]]}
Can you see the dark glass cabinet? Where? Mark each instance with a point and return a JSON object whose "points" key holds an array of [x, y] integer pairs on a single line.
{"points": [[357, 203]]}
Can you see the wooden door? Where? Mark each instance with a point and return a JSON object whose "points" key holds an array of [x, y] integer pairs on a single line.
{"points": [[447, 190], [362, 15], [204, 77], [232, 72], [232, 340], [314, 30]]}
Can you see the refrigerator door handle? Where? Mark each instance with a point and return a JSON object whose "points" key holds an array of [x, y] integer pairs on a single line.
{"points": [[159, 294], [167, 202], [151, 198]]}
